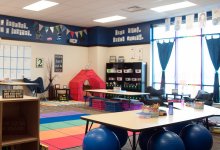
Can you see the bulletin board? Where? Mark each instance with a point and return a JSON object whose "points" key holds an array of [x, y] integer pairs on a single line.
{"points": [[15, 61]]}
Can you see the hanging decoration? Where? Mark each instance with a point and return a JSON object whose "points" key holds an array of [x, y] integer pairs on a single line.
{"points": [[167, 24], [177, 23], [202, 19], [216, 16], [189, 21], [52, 29]]}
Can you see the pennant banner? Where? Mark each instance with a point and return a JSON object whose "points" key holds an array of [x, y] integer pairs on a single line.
{"points": [[216, 16], [81, 33], [40, 27], [63, 28], [189, 21], [72, 34], [178, 22], [52, 29], [167, 24], [46, 29], [77, 33], [57, 28], [202, 19], [85, 31], [67, 31]]}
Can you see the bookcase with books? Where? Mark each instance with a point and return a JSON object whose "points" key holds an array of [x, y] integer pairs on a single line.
{"points": [[130, 76], [19, 123]]}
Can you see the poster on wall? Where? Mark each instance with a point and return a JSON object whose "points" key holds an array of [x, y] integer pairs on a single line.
{"points": [[58, 63]]}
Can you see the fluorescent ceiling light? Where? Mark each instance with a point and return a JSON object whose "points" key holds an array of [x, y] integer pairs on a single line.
{"points": [[173, 6], [40, 5], [109, 19]]}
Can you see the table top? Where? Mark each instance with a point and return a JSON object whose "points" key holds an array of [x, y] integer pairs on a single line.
{"points": [[109, 91], [16, 83], [25, 98], [132, 121], [179, 94]]}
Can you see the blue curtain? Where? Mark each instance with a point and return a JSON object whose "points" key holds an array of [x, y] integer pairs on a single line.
{"points": [[214, 52], [164, 51]]}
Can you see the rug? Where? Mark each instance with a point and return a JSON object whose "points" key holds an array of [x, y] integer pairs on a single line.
{"points": [[62, 130], [60, 103]]}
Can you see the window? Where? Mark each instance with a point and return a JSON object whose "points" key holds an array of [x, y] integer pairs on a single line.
{"points": [[15, 61], [190, 67]]}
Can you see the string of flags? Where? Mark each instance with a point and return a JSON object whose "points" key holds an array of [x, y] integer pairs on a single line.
{"points": [[59, 29], [202, 18]]}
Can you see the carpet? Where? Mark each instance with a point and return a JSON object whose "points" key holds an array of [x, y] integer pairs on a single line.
{"points": [[60, 103], [62, 130]]}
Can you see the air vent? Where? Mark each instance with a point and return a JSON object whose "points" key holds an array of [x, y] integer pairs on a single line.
{"points": [[134, 9]]}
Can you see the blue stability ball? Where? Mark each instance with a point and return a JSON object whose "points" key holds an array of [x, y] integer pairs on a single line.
{"points": [[121, 134], [101, 139], [196, 137], [145, 135], [176, 128], [165, 140]]}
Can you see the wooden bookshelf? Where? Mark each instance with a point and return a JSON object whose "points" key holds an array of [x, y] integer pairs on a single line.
{"points": [[19, 125]]}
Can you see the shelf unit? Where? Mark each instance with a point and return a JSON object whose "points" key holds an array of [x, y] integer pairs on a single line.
{"points": [[19, 125], [130, 76]]}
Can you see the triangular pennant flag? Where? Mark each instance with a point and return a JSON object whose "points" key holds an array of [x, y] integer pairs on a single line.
{"points": [[35, 24], [177, 23], [81, 33], [216, 16], [52, 29], [40, 27], [76, 33], [85, 31], [46, 29], [167, 24], [67, 31], [57, 28], [72, 34], [202, 19], [61, 27], [64, 28], [189, 21]]}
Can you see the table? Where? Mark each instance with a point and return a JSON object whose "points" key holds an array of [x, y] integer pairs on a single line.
{"points": [[16, 83], [65, 96], [177, 94], [136, 124]]}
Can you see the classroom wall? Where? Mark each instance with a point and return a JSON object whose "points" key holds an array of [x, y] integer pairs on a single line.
{"points": [[99, 56], [75, 58]]}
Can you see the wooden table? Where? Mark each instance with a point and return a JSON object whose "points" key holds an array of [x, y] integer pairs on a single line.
{"points": [[131, 121]]}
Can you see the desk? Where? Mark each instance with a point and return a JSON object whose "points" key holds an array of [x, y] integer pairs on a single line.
{"points": [[131, 121], [15, 83], [176, 95]]}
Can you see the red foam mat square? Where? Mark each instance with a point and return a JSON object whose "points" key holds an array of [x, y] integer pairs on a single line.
{"points": [[64, 142]]}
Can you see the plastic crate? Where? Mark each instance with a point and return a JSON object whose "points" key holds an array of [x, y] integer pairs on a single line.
{"points": [[134, 105], [98, 104], [113, 106]]}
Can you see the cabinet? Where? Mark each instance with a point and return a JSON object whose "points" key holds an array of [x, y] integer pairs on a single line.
{"points": [[130, 76], [62, 94], [19, 123]]}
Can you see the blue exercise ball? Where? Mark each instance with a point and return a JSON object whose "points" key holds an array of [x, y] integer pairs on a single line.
{"points": [[196, 136], [145, 135], [121, 134], [176, 128], [165, 140], [101, 139]]}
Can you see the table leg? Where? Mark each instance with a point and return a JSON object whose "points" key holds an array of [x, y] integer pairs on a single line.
{"points": [[207, 123], [134, 141], [87, 125]]}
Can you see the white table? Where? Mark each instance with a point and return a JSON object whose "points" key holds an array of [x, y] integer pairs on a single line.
{"points": [[131, 121]]}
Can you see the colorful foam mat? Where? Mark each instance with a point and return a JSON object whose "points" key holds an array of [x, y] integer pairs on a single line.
{"points": [[62, 130]]}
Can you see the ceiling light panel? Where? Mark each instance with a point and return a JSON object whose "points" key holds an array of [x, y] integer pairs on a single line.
{"points": [[40, 5], [174, 6], [110, 19]]}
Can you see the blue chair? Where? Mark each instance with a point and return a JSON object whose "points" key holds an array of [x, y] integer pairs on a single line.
{"points": [[39, 88]]}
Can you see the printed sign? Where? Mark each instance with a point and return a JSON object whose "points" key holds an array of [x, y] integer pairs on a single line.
{"points": [[12, 93], [58, 63]]}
